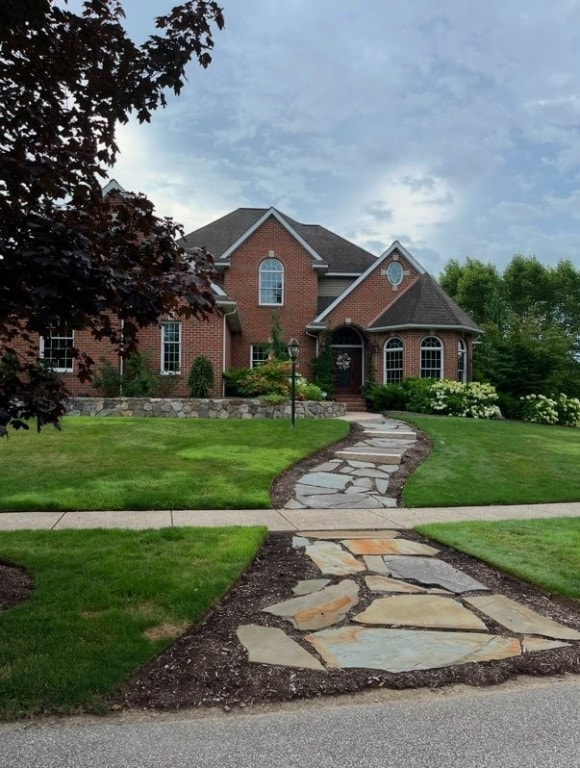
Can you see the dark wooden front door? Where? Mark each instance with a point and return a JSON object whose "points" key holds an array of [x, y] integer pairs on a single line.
{"points": [[348, 370]]}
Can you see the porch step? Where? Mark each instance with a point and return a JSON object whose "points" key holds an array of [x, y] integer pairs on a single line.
{"points": [[367, 454], [391, 434], [352, 402]]}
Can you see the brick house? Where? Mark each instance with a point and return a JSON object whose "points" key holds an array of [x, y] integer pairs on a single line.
{"points": [[389, 318]]}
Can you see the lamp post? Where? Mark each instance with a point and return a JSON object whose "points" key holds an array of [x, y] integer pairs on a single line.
{"points": [[293, 352]]}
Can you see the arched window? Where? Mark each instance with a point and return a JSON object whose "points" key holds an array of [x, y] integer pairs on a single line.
{"points": [[271, 282], [461, 361], [394, 361], [431, 358]]}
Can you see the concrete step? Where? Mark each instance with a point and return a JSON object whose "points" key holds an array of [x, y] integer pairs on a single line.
{"points": [[393, 434], [367, 454]]}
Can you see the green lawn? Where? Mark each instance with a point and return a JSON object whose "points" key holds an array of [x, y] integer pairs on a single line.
{"points": [[477, 462], [105, 601], [544, 552], [116, 463]]}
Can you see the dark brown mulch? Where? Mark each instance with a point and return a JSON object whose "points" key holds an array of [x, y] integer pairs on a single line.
{"points": [[16, 585]]}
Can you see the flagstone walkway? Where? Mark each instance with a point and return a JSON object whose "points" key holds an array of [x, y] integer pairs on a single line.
{"points": [[419, 611], [357, 478]]}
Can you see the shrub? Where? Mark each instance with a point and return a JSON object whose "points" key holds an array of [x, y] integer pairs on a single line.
{"points": [[509, 405], [108, 383], [233, 379], [272, 378], [323, 365], [562, 410], [306, 391], [471, 400], [201, 378], [568, 411], [164, 385], [387, 397], [418, 394], [274, 399], [539, 409], [137, 380]]}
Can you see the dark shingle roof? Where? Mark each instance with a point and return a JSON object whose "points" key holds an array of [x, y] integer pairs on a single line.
{"points": [[341, 255], [425, 305]]}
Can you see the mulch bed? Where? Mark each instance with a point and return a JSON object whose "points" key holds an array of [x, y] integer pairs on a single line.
{"points": [[208, 667]]}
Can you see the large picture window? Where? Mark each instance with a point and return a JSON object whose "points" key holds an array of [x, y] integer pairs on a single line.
{"points": [[431, 358], [170, 347], [271, 282], [394, 361], [56, 349]]}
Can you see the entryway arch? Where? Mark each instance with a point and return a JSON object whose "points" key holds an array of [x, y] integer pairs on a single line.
{"points": [[348, 347]]}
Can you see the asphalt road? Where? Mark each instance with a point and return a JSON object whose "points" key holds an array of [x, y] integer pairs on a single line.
{"points": [[523, 724]]}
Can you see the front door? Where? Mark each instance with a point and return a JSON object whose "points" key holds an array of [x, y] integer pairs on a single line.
{"points": [[348, 370]]}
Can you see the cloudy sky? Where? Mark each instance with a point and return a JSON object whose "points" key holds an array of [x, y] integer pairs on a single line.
{"points": [[452, 126]]}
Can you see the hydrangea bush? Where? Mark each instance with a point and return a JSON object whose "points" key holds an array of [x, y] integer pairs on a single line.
{"points": [[540, 409], [472, 400]]}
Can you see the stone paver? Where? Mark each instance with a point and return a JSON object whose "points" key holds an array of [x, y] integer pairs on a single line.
{"points": [[519, 618], [332, 559], [307, 586], [388, 547], [318, 609], [376, 564], [346, 534], [432, 571], [399, 650], [432, 611], [324, 480], [380, 583], [269, 645], [533, 644]]}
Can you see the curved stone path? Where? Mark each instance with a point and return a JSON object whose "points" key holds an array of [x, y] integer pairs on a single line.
{"points": [[358, 477], [422, 613]]}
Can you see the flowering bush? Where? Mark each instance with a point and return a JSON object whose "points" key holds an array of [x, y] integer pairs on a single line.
{"points": [[471, 400], [540, 409], [568, 411]]}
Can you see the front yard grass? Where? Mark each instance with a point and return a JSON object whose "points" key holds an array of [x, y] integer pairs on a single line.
{"points": [[477, 462], [105, 601], [544, 552], [136, 463]]}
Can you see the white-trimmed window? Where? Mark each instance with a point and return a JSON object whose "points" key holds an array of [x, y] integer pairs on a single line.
{"points": [[271, 282], [170, 347], [461, 361], [56, 349], [259, 354], [431, 358], [394, 361]]}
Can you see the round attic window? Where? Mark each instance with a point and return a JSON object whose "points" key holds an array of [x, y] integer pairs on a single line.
{"points": [[395, 273]]}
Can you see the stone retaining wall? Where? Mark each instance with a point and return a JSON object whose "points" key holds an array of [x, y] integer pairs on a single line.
{"points": [[190, 408]]}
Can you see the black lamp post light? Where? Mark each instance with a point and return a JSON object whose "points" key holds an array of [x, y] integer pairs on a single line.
{"points": [[293, 352]]}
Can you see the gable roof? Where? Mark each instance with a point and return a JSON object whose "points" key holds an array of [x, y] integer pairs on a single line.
{"points": [[394, 247], [328, 250], [425, 305]]}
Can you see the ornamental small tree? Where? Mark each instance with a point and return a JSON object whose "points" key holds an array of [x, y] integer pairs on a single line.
{"points": [[201, 378]]}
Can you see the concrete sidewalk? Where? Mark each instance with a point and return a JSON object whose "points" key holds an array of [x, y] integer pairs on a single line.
{"points": [[281, 519]]}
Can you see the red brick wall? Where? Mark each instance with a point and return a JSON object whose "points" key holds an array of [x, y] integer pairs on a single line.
{"points": [[299, 307], [372, 297], [198, 337]]}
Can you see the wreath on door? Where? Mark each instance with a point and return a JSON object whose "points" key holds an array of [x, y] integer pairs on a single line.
{"points": [[343, 362]]}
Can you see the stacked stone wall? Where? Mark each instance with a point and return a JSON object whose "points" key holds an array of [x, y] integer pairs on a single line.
{"points": [[191, 408]]}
